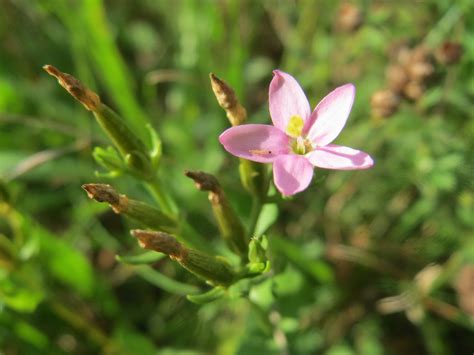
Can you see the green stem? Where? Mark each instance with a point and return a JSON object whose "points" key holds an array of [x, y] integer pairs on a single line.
{"points": [[257, 205], [165, 201], [73, 318], [254, 214]]}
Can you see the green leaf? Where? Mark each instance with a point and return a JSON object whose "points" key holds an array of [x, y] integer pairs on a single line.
{"points": [[147, 257], [267, 217], [65, 263], [206, 297], [158, 279]]}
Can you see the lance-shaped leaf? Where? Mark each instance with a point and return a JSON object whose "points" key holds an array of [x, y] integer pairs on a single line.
{"points": [[230, 226], [214, 269], [136, 210]]}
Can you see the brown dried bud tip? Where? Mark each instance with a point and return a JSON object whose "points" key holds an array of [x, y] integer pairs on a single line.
{"points": [[106, 193], [81, 93], [227, 99], [204, 181], [349, 18], [384, 103], [160, 242], [449, 53]]}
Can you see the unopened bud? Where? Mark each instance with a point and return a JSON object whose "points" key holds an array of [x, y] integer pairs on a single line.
{"points": [[113, 125], [229, 224], [213, 269], [384, 103], [160, 242], [227, 99], [136, 210], [79, 91]]}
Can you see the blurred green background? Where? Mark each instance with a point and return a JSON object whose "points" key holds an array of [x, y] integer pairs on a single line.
{"points": [[369, 262]]}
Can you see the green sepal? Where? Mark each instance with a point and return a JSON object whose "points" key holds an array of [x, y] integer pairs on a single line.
{"points": [[257, 250], [156, 148], [207, 297], [108, 158], [139, 165]]}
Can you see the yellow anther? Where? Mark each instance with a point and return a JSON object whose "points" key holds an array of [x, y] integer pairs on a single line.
{"points": [[295, 126]]}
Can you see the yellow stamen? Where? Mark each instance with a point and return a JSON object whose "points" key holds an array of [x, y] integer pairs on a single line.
{"points": [[295, 126]]}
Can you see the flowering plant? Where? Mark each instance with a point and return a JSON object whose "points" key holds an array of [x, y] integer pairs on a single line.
{"points": [[299, 139]]}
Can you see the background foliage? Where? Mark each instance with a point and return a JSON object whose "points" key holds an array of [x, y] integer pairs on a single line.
{"points": [[403, 228]]}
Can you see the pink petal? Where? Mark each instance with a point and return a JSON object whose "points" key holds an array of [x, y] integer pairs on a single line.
{"points": [[292, 173], [330, 115], [286, 99], [258, 142], [339, 157]]}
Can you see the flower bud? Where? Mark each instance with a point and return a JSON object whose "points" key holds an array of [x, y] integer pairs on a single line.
{"points": [[89, 99], [136, 210], [124, 139], [229, 224], [227, 99], [213, 269]]}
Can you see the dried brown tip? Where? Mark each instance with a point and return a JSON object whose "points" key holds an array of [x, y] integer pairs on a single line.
{"points": [[203, 181], [227, 99], [79, 91], [102, 193], [160, 242]]}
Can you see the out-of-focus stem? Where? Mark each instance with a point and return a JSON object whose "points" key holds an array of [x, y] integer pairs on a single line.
{"points": [[161, 196], [74, 318]]}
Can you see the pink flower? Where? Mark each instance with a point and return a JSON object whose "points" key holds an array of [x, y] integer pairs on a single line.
{"points": [[299, 139]]}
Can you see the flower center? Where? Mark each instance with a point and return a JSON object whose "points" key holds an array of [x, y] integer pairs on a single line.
{"points": [[299, 144]]}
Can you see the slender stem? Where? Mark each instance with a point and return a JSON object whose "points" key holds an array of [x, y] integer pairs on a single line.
{"points": [[257, 204], [449, 312], [164, 199], [73, 318], [254, 214]]}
